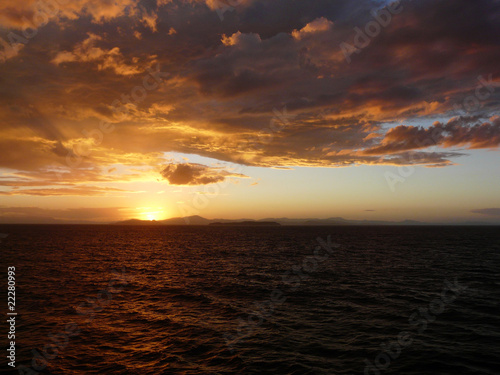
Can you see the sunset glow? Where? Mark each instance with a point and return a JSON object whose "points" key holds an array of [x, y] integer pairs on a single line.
{"points": [[152, 213], [250, 186], [349, 110]]}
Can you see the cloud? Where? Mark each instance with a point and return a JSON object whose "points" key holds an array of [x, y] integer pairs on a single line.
{"points": [[73, 215], [228, 79], [69, 191], [85, 181], [194, 174], [221, 5], [87, 51], [149, 19], [243, 41], [316, 26], [458, 131], [29, 13], [487, 211]]}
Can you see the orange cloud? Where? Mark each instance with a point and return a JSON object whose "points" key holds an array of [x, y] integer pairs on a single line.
{"points": [[226, 80], [72, 191], [194, 174], [87, 51], [318, 25], [73, 215], [15, 14]]}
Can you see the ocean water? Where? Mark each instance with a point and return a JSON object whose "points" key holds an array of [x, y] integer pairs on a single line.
{"points": [[250, 300]]}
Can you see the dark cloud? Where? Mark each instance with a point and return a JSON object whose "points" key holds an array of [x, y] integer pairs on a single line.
{"points": [[194, 174], [457, 132], [227, 79]]}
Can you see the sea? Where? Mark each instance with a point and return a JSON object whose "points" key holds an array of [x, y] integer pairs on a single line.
{"points": [[111, 299]]}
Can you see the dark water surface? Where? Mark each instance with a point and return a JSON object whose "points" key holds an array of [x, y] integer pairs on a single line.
{"points": [[186, 300]]}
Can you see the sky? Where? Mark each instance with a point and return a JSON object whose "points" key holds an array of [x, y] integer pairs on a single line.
{"points": [[152, 109]]}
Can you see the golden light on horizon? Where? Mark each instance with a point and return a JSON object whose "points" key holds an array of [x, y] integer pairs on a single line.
{"points": [[151, 216], [118, 130], [152, 213]]}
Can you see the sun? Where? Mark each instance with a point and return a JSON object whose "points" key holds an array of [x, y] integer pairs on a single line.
{"points": [[151, 216], [152, 213]]}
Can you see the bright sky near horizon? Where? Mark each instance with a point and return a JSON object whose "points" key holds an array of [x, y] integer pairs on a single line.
{"points": [[153, 109]]}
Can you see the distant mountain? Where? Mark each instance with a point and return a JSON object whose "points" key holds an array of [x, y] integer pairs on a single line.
{"points": [[331, 221], [248, 223], [340, 221], [198, 220], [189, 220], [138, 222]]}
